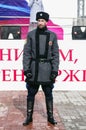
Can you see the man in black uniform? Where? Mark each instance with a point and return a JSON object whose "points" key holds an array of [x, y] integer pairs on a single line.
{"points": [[40, 64]]}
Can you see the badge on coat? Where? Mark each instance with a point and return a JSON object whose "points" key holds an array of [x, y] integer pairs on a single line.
{"points": [[50, 43]]}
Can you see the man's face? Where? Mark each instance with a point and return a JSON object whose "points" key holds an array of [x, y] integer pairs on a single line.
{"points": [[41, 23]]}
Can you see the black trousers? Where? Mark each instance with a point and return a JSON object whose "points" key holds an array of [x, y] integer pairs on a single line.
{"points": [[32, 91]]}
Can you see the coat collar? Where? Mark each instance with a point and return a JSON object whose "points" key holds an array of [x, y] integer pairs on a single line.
{"points": [[42, 30]]}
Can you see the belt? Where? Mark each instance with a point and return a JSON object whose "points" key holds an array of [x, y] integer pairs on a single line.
{"points": [[42, 60]]}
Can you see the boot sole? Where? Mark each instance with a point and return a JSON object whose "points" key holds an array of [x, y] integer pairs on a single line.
{"points": [[25, 124], [52, 123]]}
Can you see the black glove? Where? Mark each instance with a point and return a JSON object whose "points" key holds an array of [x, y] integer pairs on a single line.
{"points": [[54, 74], [28, 74]]}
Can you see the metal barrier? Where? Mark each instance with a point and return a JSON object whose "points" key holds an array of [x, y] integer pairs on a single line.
{"points": [[19, 28], [79, 29], [13, 27]]}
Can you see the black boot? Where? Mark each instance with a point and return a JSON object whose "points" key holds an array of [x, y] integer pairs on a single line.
{"points": [[49, 105], [29, 119]]}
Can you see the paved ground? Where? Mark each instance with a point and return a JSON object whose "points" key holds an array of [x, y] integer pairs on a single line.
{"points": [[69, 111], [71, 107]]}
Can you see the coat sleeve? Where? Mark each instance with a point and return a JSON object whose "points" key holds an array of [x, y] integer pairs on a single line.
{"points": [[55, 55], [27, 54]]}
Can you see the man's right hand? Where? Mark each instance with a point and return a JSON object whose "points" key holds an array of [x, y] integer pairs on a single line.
{"points": [[28, 74]]}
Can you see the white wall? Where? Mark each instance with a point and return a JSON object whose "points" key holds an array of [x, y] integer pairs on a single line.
{"points": [[62, 13], [72, 65], [61, 8]]}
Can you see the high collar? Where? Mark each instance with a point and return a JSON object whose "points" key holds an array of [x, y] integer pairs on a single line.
{"points": [[41, 30]]}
